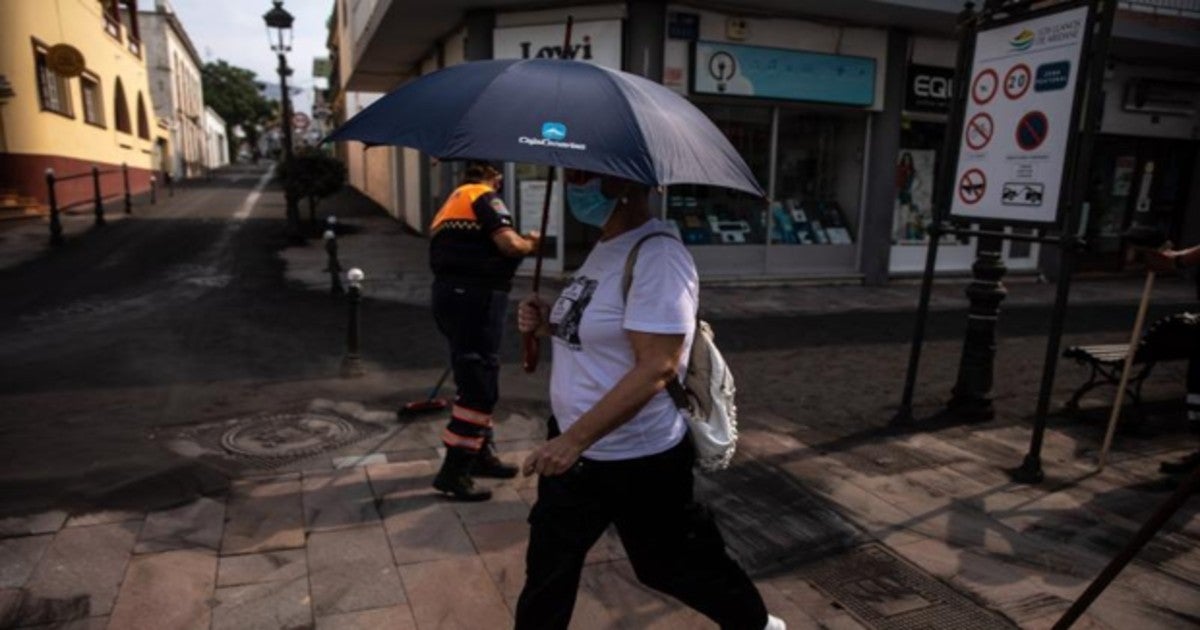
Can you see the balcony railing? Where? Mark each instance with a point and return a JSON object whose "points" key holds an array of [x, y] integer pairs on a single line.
{"points": [[1175, 8]]}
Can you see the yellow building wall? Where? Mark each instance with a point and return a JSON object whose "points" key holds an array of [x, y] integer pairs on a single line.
{"points": [[30, 131]]}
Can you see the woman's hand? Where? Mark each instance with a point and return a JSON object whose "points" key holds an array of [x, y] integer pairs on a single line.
{"points": [[1162, 261], [555, 457], [533, 316]]}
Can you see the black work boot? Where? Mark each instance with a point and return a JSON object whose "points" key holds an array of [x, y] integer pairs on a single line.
{"points": [[488, 464], [454, 479]]}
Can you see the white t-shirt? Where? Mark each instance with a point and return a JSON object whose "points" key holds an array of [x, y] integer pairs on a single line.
{"points": [[592, 351]]}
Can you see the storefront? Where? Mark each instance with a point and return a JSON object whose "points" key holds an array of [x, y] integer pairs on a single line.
{"points": [[800, 117], [1145, 158]]}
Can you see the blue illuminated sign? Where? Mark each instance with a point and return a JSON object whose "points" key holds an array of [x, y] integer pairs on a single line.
{"points": [[796, 75]]}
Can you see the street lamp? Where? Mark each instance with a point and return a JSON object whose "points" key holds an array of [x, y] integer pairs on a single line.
{"points": [[279, 36]]}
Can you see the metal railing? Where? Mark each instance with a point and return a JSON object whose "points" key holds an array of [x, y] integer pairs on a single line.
{"points": [[52, 180]]}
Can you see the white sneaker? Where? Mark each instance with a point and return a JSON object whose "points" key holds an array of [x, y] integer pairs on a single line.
{"points": [[775, 623]]}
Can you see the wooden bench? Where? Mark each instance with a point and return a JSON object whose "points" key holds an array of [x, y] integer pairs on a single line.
{"points": [[1172, 338]]}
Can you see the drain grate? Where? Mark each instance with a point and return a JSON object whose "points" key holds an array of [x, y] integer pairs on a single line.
{"points": [[272, 440], [887, 593]]}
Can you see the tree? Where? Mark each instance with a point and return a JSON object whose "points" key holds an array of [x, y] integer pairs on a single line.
{"points": [[312, 175], [234, 94]]}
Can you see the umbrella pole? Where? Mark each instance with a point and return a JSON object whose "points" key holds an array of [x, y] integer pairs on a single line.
{"points": [[530, 345]]}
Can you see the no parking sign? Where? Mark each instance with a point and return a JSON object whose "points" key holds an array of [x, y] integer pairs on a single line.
{"points": [[1018, 119]]}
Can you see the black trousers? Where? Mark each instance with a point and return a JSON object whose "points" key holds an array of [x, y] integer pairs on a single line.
{"points": [[672, 541], [471, 318]]}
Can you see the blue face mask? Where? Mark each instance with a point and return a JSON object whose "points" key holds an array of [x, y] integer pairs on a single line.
{"points": [[589, 204]]}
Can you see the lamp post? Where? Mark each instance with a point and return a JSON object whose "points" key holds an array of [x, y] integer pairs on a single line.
{"points": [[279, 36]]}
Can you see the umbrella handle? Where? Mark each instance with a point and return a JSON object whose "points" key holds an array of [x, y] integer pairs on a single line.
{"points": [[530, 343], [532, 350]]}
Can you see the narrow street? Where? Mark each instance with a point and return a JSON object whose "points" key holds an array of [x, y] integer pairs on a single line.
{"points": [[127, 356]]}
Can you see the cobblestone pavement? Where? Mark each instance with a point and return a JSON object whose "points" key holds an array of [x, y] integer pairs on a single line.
{"points": [[123, 508]]}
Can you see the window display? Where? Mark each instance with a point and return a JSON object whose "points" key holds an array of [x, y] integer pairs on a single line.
{"points": [[818, 180], [707, 215]]}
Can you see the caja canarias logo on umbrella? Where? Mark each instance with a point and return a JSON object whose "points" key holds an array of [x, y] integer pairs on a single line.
{"points": [[554, 131], [1022, 41], [554, 135]]}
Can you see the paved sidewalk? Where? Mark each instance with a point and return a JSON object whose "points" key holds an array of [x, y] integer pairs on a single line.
{"points": [[843, 523]]}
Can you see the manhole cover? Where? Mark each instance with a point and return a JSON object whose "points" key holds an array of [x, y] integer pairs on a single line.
{"points": [[887, 593], [289, 435]]}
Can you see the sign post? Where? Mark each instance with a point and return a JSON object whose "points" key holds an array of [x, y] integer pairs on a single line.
{"points": [[1020, 156]]}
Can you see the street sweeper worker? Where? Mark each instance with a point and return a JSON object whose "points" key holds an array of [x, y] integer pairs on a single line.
{"points": [[1174, 260], [474, 253]]}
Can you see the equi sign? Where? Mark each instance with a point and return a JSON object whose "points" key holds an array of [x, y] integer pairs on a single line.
{"points": [[597, 42]]}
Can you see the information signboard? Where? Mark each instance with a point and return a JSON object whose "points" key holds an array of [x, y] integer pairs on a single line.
{"points": [[1014, 141]]}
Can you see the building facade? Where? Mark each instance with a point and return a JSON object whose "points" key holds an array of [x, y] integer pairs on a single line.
{"points": [[103, 116], [216, 140], [849, 172], [176, 85]]}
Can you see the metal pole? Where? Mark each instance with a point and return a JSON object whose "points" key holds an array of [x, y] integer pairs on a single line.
{"points": [[904, 413], [96, 195], [334, 267], [285, 123], [1030, 470], [153, 190], [56, 236], [128, 197], [1164, 513], [971, 396], [352, 363]]}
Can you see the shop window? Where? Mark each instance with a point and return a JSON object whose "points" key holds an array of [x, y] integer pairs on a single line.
{"points": [[53, 89], [916, 176], [818, 179], [121, 109], [92, 99], [142, 121], [707, 215]]}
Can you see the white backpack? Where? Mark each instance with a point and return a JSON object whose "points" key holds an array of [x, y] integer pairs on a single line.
{"points": [[706, 395]]}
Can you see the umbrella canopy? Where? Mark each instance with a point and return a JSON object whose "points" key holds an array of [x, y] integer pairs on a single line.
{"points": [[556, 112]]}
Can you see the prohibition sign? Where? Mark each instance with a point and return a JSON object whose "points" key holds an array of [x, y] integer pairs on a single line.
{"points": [[1032, 130], [971, 186], [979, 130], [1017, 81], [983, 88]]}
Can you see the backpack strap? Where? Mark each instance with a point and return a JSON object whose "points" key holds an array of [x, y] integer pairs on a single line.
{"points": [[674, 387]]}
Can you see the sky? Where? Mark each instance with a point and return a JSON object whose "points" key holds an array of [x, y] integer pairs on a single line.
{"points": [[233, 30]]}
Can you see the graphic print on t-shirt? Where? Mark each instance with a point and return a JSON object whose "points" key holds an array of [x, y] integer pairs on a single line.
{"points": [[568, 310]]}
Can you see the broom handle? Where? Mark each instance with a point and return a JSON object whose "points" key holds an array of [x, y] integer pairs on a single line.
{"points": [[1133, 344], [529, 341]]}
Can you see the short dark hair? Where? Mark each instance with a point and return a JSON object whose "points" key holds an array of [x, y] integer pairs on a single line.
{"points": [[479, 170]]}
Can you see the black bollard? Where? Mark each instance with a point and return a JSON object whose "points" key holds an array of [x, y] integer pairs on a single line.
{"points": [[972, 394], [56, 237], [153, 190], [96, 193], [128, 197], [352, 363], [334, 266]]}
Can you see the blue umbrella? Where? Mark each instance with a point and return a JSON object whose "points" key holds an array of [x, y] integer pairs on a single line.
{"points": [[559, 113]]}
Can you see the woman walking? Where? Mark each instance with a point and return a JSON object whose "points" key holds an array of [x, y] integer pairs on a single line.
{"points": [[619, 452]]}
